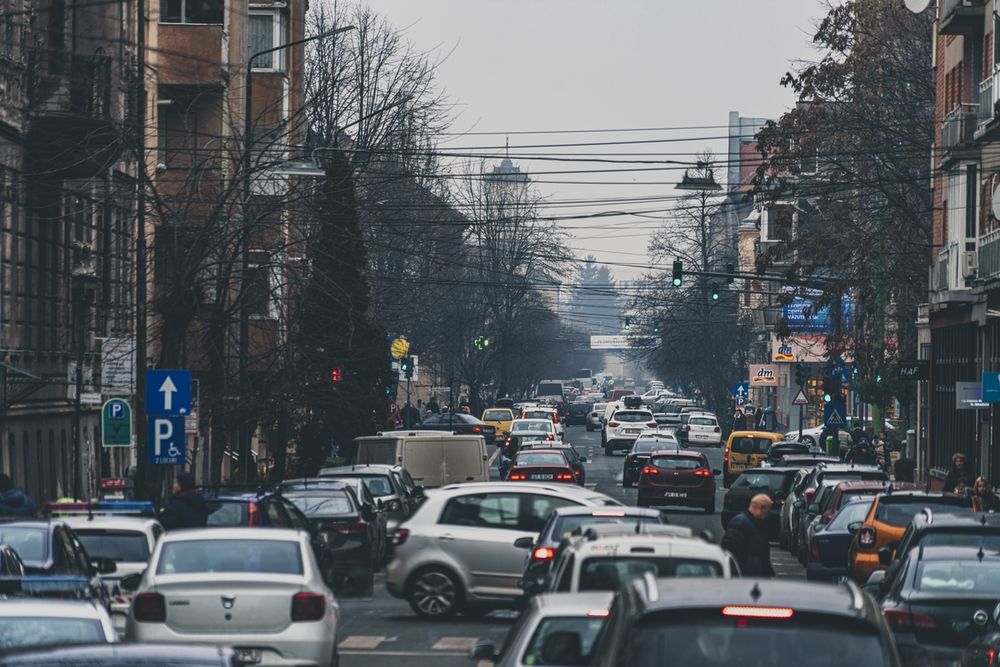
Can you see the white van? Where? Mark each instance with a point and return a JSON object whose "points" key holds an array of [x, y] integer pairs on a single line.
{"points": [[432, 458]]}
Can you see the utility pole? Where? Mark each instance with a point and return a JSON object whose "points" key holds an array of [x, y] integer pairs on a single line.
{"points": [[142, 481]]}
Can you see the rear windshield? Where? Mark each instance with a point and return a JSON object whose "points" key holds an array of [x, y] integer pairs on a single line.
{"points": [[608, 574], [532, 427], [562, 641], [37, 631], [778, 482], [667, 641], [568, 525], [626, 416], [989, 541], [121, 546], [579, 408], [377, 451], [497, 416], [751, 445], [962, 577], [536, 414], [897, 513], [204, 556], [676, 462], [702, 421], [648, 446], [600, 407], [227, 514], [331, 505], [540, 459], [850, 514], [31, 544]]}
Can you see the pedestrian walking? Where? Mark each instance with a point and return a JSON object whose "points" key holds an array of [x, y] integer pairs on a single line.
{"points": [[432, 406], [14, 502], [409, 415], [746, 538], [186, 507], [983, 498], [959, 473]]}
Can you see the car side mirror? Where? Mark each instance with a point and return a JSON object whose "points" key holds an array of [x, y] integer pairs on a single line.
{"points": [[483, 651], [103, 566], [885, 555], [130, 582], [394, 505], [854, 527], [379, 505], [524, 543]]}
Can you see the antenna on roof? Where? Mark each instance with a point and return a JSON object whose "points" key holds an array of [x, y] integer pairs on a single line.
{"points": [[980, 554], [755, 592]]}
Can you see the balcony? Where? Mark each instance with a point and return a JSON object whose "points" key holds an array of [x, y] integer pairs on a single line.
{"points": [[961, 17], [958, 129], [989, 256]]}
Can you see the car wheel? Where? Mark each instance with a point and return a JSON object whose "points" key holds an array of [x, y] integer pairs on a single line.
{"points": [[434, 593], [808, 439]]}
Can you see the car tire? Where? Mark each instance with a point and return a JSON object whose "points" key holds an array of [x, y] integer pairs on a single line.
{"points": [[434, 593]]}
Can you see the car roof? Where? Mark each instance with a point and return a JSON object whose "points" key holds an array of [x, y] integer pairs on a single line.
{"points": [[683, 593], [530, 421], [907, 494], [929, 519], [381, 468], [948, 552], [671, 539], [521, 487], [617, 511], [538, 450], [111, 522], [33, 606], [851, 484], [192, 534], [689, 453]]}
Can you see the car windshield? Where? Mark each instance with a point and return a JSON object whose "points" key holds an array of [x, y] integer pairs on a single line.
{"points": [[121, 546], [31, 544], [222, 513], [649, 446], [962, 577], [760, 480], [600, 407], [540, 459], [609, 573], [896, 513], [497, 416], [532, 427], [850, 514], [716, 640], [630, 417], [702, 421], [566, 526], [379, 485], [326, 505], [221, 555], [536, 414], [676, 462], [38, 631], [562, 641]]}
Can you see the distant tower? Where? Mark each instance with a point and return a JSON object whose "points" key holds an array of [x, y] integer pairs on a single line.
{"points": [[507, 171]]}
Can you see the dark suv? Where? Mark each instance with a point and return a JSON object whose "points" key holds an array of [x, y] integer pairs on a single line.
{"points": [[765, 623]]}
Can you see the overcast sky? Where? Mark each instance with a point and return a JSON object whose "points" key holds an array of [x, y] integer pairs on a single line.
{"points": [[542, 65]]}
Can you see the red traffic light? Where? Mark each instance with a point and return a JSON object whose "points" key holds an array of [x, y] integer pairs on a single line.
{"points": [[336, 374]]}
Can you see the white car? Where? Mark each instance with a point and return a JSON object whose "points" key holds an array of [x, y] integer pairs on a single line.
{"points": [[701, 428], [595, 419], [43, 622], [603, 559], [653, 395], [128, 541], [464, 549], [259, 591], [542, 412], [624, 427]]}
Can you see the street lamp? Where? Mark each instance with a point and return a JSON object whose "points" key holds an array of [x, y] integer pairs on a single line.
{"points": [[83, 284]]}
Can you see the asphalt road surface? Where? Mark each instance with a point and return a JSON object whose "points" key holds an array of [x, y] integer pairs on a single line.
{"points": [[382, 630]]}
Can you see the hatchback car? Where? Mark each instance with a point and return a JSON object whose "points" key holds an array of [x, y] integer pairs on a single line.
{"points": [[745, 449], [458, 551], [624, 427], [45, 622], [124, 655], [500, 419], [540, 465], [261, 592], [700, 429], [677, 477], [828, 548], [572, 456], [392, 485], [595, 418], [540, 412], [576, 413], [638, 456], [774, 482], [528, 430]]}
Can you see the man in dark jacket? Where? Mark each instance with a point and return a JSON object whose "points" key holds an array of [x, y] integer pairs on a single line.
{"points": [[12, 501], [746, 538], [186, 508]]}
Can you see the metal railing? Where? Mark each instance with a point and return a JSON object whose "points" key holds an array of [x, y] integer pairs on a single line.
{"points": [[959, 126], [988, 92], [989, 255], [942, 278]]}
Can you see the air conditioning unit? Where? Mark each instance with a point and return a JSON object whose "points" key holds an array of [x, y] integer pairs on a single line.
{"points": [[970, 264]]}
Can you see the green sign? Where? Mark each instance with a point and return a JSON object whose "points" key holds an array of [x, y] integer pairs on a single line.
{"points": [[116, 423]]}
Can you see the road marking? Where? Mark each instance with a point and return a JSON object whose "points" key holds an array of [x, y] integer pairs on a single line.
{"points": [[453, 643], [493, 457], [362, 641]]}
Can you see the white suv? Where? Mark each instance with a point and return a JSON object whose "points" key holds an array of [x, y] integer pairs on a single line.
{"points": [[623, 427], [464, 547]]}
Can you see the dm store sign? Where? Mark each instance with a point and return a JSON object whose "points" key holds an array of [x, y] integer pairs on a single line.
{"points": [[784, 352], [763, 375]]}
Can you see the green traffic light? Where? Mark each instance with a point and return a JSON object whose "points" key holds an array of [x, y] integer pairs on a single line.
{"points": [[827, 398], [677, 282]]}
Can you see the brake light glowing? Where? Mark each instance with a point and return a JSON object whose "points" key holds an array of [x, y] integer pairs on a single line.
{"points": [[555, 417], [702, 472], [517, 477], [650, 470], [400, 537], [543, 553], [758, 612], [613, 424], [149, 608], [867, 536], [308, 607], [598, 613], [565, 477], [550, 436], [253, 515]]}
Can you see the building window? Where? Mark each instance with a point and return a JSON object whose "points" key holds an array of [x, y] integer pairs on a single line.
{"points": [[260, 298], [191, 11], [267, 31]]}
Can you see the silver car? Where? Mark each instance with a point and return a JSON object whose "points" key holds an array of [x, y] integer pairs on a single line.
{"points": [[259, 591], [458, 553], [41, 622], [554, 629]]}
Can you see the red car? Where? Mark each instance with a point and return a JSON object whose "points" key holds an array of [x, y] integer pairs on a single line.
{"points": [[541, 465], [678, 477]]}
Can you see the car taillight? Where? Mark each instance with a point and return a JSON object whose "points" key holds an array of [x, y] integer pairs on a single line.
{"points": [[577, 472], [814, 549], [550, 436], [867, 536], [400, 536], [902, 620], [149, 608], [506, 443], [718, 430], [651, 424], [613, 424], [477, 429], [702, 472], [565, 477], [650, 470], [358, 527], [809, 496], [555, 418], [253, 515], [725, 458], [517, 477], [543, 553], [758, 612], [308, 607]]}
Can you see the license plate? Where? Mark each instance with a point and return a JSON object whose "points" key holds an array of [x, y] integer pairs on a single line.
{"points": [[248, 655], [631, 431], [675, 494], [542, 476], [737, 466]]}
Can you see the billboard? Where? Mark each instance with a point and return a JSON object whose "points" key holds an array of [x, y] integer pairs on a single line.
{"points": [[803, 315]]}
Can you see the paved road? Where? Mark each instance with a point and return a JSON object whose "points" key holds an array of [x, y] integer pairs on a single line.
{"points": [[383, 631]]}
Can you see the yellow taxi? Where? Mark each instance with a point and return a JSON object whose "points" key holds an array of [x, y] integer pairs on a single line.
{"points": [[884, 525], [745, 449], [499, 418]]}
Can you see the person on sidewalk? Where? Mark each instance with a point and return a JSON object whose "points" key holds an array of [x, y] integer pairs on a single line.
{"points": [[14, 502], [959, 473], [187, 507], [746, 538]]}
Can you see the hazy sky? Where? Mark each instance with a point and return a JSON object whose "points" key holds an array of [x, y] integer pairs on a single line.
{"points": [[542, 65]]}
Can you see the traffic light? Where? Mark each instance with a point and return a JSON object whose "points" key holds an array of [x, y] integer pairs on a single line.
{"points": [[406, 365], [678, 273], [388, 390], [730, 269], [801, 374], [481, 343], [336, 374], [656, 328], [878, 377], [715, 291]]}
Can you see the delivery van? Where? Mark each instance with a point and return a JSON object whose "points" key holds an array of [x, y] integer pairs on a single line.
{"points": [[432, 458]]}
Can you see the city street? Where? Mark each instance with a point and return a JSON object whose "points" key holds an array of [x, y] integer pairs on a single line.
{"points": [[382, 630]]}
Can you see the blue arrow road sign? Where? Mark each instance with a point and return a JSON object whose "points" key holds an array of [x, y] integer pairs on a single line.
{"points": [[835, 414], [168, 392], [165, 440], [741, 389]]}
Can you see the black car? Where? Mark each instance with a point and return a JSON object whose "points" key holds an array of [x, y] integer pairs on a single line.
{"points": [[576, 413], [566, 521], [354, 543], [458, 422], [123, 655], [830, 546], [781, 449], [775, 482], [942, 601], [745, 622], [806, 460], [392, 485], [638, 456]]}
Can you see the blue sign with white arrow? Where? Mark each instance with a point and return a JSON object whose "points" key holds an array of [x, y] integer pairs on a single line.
{"points": [[166, 440], [741, 389], [168, 392], [835, 415]]}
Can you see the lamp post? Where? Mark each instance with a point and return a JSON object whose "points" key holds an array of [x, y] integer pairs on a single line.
{"points": [[83, 279], [244, 344]]}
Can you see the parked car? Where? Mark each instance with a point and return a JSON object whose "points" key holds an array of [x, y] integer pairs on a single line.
{"points": [[393, 486], [677, 477], [458, 553], [829, 546]]}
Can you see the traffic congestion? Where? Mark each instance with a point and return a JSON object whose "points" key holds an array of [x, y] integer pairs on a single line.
{"points": [[663, 541]]}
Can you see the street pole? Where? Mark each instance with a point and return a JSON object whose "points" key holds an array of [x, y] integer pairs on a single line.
{"points": [[408, 402], [801, 418], [141, 484]]}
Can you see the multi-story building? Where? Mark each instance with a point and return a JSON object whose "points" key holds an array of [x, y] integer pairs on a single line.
{"points": [[66, 229]]}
